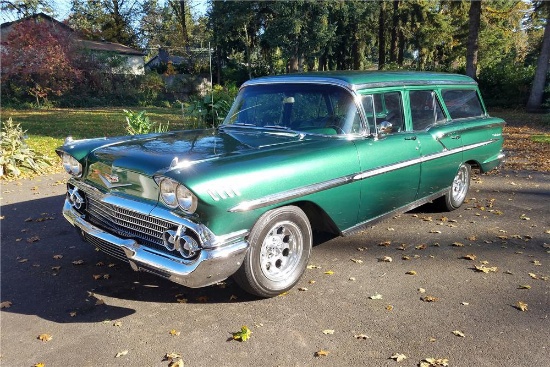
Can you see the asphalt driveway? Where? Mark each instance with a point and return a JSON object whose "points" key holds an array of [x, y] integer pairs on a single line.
{"points": [[471, 286]]}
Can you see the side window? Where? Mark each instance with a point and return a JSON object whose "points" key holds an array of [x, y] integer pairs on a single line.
{"points": [[462, 103], [385, 112], [425, 109]]}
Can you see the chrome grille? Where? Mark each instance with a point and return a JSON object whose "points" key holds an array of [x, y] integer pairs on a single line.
{"points": [[125, 223]]}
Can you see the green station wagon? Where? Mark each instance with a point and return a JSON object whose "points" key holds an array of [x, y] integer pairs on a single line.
{"points": [[296, 155]]}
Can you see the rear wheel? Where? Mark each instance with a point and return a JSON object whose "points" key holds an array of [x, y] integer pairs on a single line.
{"points": [[459, 188], [280, 245]]}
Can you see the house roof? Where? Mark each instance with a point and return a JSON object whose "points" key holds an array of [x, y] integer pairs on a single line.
{"points": [[109, 47], [89, 44]]}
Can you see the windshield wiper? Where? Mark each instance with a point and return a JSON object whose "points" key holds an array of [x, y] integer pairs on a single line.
{"points": [[279, 127]]}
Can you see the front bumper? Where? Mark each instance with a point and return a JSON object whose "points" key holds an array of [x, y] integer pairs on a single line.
{"points": [[211, 266]]}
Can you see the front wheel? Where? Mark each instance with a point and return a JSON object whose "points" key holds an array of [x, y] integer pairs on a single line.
{"points": [[459, 188], [280, 245]]}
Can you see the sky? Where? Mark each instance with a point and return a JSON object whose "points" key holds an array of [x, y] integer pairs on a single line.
{"points": [[62, 9]]}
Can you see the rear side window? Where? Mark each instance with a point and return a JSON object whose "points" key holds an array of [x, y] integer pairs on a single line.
{"points": [[462, 103], [425, 109]]}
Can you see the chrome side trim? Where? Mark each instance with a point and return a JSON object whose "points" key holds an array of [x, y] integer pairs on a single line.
{"points": [[290, 194], [369, 223], [321, 186]]}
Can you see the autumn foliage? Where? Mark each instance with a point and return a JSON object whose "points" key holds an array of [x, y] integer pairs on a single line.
{"points": [[39, 59]]}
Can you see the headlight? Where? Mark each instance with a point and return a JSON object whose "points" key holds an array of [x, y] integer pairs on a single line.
{"points": [[186, 200], [174, 194], [71, 165]]}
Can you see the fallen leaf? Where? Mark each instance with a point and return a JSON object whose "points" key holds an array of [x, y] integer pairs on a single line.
{"points": [[96, 276], [403, 247], [389, 308], [242, 335], [385, 243], [398, 357], [171, 356], [485, 269], [470, 257], [352, 279], [524, 217], [121, 354], [522, 306], [357, 261], [434, 231], [174, 332], [328, 332], [176, 363], [202, 299], [471, 238], [433, 362], [536, 263], [421, 247], [459, 333], [33, 239], [457, 244], [313, 267], [233, 297], [376, 296], [533, 275], [430, 299], [405, 257], [57, 257], [5, 304], [72, 314], [40, 364], [181, 300], [361, 336], [118, 323], [329, 272], [303, 289], [524, 286], [322, 353], [464, 303], [99, 302], [45, 337], [78, 262], [386, 259], [411, 272], [421, 290], [311, 281], [23, 260]]}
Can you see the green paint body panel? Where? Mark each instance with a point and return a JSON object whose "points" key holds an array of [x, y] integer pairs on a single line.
{"points": [[238, 172]]}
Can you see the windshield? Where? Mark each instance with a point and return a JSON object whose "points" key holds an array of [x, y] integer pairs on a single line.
{"points": [[309, 108]]}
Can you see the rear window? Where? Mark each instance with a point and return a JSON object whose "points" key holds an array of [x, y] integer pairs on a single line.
{"points": [[462, 103]]}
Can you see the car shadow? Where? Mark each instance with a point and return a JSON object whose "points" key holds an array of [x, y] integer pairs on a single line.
{"points": [[48, 271]]}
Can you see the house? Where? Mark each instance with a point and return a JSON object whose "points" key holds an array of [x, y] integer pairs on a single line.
{"points": [[119, 59]]}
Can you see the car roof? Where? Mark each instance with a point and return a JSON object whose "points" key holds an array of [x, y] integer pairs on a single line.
{"points": [[356, 80]]}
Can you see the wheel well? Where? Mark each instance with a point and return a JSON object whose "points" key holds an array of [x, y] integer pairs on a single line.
{"points": [[474, 165], [318, 218]]}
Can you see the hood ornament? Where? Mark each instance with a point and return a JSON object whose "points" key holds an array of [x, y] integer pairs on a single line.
{"points": [[111, 180]]}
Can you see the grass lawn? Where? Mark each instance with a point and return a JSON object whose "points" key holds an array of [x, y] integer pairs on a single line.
{"points": [[47, 129]]}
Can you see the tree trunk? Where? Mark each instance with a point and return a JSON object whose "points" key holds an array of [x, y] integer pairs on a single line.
{"points": [[381, 36], [537, 90], [183, 22], [473, 32], [394, 32]]}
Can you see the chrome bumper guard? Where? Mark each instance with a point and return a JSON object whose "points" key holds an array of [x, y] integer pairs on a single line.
{"points": [[211, 266]]}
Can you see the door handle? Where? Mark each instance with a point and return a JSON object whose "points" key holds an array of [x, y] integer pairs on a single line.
{"points": [[410, 138], [455, 137]]}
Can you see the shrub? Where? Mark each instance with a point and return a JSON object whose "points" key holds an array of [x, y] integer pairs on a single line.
{"points": [[211, 109], [506, 85], [15, 153], [139, 123]]}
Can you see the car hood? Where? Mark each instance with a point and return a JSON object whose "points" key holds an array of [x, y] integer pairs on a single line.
{"points": [[158, 153]]}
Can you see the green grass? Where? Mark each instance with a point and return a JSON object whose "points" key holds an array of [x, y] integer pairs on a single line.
{"points": [[544, 138], [47, 129]]}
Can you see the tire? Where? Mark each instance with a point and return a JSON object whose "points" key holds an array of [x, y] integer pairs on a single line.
{"points": [[457, 192], [280, 246]]}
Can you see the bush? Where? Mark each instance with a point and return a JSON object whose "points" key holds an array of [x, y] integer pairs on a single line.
{"points": [[15, 153], [211, 109], [506, 85], [139, 123]]}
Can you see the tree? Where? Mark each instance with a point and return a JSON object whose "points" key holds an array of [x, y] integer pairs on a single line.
{"points": [[109, 20], [39, 59], [473, 32], [26, 8], [537, 90]]}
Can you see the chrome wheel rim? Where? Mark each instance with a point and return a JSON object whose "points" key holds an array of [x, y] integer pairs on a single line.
{"points": [[281, 251], [460, 185]]}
